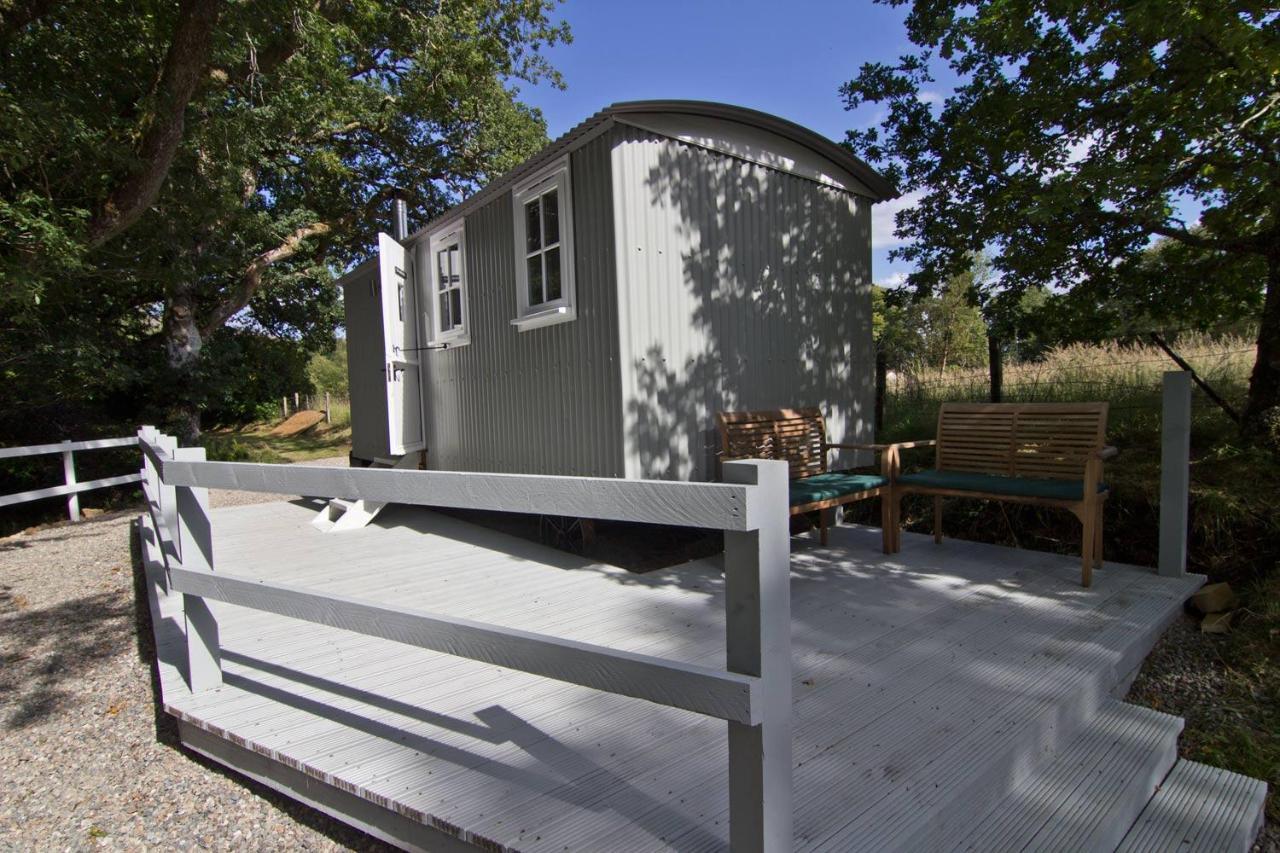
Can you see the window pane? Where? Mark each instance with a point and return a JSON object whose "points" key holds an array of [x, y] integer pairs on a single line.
{"points": [[532, 227], [535, 279], [445, 322], [553, 273], [455, 264], [551, 218], [455, 298], [442, 269]]}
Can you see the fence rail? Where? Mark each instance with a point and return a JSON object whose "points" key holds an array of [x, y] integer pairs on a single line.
{"points": [[752, 693], [70, 487]]}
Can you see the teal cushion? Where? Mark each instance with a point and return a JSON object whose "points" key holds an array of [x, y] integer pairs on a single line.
{"points": [[824, 487], [1027, 487]]}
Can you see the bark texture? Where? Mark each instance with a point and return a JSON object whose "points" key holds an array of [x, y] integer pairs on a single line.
{"points": [[1262, 412]]}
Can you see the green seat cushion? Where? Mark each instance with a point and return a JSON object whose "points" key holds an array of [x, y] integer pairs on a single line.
{"points": [[1026, 487], [836, 484]]}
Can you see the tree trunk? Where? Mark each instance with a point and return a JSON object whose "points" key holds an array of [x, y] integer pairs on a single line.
{"points": [[182, 346], [1262, 410], [996, 367]]}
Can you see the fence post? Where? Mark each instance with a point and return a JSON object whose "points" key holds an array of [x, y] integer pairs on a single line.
{"points": [[326, 407], [284, 408], [195, 549], [757, 572], [150, 475], [1175, 471], [166, 495], [69, 472]]}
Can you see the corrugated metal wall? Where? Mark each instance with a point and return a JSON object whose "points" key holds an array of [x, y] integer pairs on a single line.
{"points": [[544, 401], [739, 287]]}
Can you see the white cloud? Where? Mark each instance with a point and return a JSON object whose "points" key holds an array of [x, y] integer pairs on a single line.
{"points": [[882, 214], [929, 97], [892, 280]]}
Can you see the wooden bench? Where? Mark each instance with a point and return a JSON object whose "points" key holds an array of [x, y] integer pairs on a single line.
{"points": [[1049, 454], [799, 436]]}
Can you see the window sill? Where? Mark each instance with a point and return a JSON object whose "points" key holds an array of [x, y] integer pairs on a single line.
{"points": [[442, 344], [546, 317]]}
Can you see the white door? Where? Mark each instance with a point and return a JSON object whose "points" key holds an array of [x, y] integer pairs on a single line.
{"points": [[400, 340]]}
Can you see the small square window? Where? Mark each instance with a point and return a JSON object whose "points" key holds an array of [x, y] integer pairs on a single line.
{"points": [[544, 247], [448, 286]]}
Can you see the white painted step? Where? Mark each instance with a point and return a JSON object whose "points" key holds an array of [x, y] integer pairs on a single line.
{"points": [[339, 514], [1199, 809], [1090, 795]]}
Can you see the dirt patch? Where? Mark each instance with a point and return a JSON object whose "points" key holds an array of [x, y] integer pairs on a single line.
{"points": [[297, 423]]}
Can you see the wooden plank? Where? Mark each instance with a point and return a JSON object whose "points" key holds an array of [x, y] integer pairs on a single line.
{"points": [[40, 449], [724, 695], [712, 505], [75, 488]]}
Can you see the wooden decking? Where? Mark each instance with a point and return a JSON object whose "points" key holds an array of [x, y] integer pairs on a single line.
{"points": [[932, 689]]}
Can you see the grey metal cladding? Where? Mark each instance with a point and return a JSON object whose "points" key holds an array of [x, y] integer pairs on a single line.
{"points": [[740, 287], [545, 400]]}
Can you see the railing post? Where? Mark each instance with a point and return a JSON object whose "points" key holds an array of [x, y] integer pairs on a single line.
{"points": [[195, 550], [69, 472], [1175, 472], [757, 571], [166, 495]]}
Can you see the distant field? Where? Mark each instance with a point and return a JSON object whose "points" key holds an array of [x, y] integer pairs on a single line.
{"points": [[1128, 377], [255, 443]]}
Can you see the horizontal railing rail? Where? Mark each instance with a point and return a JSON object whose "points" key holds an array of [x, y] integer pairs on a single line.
{"points": [[752, 693], [70, 487]]}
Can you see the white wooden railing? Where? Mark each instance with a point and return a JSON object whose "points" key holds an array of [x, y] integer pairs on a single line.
{"points": [[70, 487], [753, 692]]}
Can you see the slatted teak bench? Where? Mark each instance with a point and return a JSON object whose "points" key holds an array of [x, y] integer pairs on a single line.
{"points": [[799, 436], [1036, 453]]}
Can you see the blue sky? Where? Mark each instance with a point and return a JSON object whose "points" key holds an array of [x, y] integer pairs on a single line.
{"points": [[788, 59]]}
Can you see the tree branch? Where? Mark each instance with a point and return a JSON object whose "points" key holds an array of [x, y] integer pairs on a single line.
{"points": [[184, 65], [251, 278]]}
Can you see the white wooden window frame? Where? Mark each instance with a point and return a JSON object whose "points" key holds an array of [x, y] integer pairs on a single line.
{"points": [[441, 237], [562, 310]]}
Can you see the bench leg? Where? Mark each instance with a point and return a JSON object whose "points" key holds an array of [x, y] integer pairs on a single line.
{"points": [[1097, 538], [887, 530], [937, 521], [895, 524], [823, 514], [1089, 518]]}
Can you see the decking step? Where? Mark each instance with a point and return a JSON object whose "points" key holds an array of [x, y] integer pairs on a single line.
{"points": [[1089, 796], [1199, 808]]}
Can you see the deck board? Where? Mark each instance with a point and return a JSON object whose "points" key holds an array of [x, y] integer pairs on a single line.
{"points": [[906, 668]]}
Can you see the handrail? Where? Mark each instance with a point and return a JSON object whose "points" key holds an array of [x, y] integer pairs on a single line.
{"points": [[70, 486], [753, 691]]}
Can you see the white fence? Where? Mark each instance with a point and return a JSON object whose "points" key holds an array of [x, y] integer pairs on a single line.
{"points": [[70, 486], [753, 693]]}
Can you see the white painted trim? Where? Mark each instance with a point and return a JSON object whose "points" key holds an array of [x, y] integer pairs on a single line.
{"points": [[555, 176], [458, 336], [714, 505], [715, 693]]}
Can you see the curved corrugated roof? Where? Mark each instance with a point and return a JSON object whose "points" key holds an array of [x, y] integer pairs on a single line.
{"points": [[591, 126]]}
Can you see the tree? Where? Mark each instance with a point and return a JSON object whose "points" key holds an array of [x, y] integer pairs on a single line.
{"points": [[1074, 135], [227, 176]]}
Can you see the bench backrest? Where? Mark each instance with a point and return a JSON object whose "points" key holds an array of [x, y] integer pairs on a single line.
{"points": [[1045, 440], [794, 435]]}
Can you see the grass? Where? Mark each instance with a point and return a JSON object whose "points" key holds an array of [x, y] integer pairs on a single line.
{"points": [[255, 443], [1226, 687]]}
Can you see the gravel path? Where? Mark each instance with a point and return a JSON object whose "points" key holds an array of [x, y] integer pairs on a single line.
{"points": [[86, 760]]}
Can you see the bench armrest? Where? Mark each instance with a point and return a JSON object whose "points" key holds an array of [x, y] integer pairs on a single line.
{"points": [[908, 445], [848, 446]]}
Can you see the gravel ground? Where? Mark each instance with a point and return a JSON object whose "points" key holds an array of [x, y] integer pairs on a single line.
{"points": [[1184, 676], [86, 760]]}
